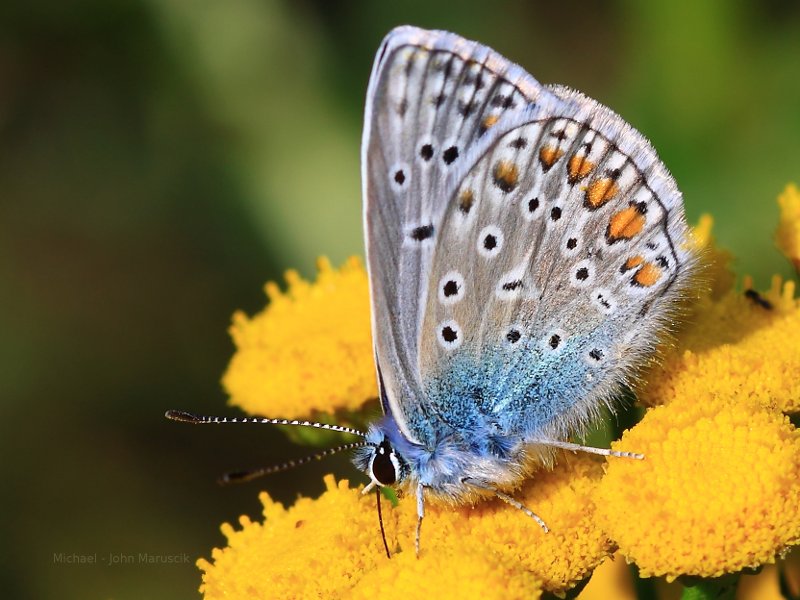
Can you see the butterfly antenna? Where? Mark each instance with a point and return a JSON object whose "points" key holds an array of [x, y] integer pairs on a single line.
{"points": [[185, 417], [380, 520], [250, 474]]}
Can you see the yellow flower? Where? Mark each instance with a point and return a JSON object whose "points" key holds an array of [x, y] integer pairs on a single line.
{"points": [[455, 573], [315, 549], [309, 351], [788, 236], [331, 547], [718, 491], [739, 346], [732, 343]]}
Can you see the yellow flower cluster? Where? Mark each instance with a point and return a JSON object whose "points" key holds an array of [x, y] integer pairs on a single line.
{"points": [[788, 236], [718, 491], [732, 343], [331, 547], [309, 351], [742, 345]]}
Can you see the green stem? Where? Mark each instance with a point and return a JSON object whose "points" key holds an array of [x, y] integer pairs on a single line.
{"points": [[721, 588]]}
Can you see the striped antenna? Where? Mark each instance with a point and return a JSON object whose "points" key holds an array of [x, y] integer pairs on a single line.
{"points": [[242, 476], [185, 417]]}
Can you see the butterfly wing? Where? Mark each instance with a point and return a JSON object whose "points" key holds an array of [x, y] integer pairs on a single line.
{"points": [[433, 98], [563, 272], [515, 286]]}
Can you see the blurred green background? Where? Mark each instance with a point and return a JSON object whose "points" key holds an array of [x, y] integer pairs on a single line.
{"points": [[160, 160]]}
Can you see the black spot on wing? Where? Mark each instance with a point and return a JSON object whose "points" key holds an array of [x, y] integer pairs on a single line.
{"points": [[449, 334], [422, 233], [510, 286], [449, 155]]}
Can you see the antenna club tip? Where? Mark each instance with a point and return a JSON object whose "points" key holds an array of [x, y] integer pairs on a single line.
{"points": [[180, 415], [237, 477]]}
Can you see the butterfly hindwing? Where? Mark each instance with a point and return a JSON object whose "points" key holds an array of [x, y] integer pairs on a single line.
{"points": [[559, 277]]}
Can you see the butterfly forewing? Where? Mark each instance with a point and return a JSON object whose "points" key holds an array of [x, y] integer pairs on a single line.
{"points": [[433, 97]]}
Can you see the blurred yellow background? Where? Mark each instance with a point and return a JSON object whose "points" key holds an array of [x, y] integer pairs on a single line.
{"points": [[160, 160]]}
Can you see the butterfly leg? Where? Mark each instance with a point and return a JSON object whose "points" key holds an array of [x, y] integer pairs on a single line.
{"points": [[420, 515], [509, 500], [588, 449]]}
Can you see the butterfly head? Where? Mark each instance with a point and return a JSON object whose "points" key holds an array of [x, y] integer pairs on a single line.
{"points": [[383, 459], [385, 466]]}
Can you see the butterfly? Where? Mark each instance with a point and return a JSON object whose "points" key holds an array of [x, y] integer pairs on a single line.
{"points": [[526, 251]]}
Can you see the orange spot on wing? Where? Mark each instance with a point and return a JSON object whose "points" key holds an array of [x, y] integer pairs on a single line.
{"points": [[625, 224], [578, 168], [465, 200], [600, 191], [632, 262], [506, 175], [549, 155], [648, 275], [490, 120]]}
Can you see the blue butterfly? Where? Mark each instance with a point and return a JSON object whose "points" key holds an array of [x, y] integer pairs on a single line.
{"points": [[526, 250]]}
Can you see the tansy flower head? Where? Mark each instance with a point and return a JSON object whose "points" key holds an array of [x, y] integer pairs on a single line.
{"points": [[331, 546], [718, 491], [733, 343], [309, 351], [456, 572], [742, 346], [315, 549]]}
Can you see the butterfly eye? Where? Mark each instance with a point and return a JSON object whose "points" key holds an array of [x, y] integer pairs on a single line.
{"points": [[384, 466]]}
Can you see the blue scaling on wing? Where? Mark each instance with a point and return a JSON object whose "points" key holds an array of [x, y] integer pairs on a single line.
{"points": [[559, 261]]}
